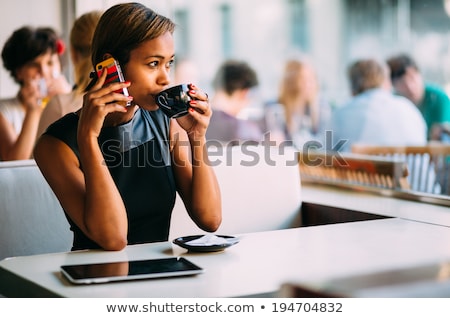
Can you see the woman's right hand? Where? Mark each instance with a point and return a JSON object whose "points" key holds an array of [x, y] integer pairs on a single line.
{"points": [[98, 102]]}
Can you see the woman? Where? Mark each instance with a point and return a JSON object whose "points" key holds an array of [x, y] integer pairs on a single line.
{"points": [[306, 115], [80, 49], [31, 55], [116, 169]]}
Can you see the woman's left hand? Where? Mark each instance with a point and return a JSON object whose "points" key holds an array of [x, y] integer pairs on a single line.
{"points": [[196, 121]]}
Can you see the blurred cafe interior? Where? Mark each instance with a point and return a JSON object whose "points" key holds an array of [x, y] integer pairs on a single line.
{"points": [[373, 221]]}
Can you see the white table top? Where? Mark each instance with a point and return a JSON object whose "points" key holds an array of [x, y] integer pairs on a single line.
{"points": [[258, 265]]}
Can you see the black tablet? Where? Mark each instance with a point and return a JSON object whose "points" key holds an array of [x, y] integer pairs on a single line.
{"points": [[129, 270]]}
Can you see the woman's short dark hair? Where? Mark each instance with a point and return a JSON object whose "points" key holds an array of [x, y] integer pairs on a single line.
{"points": [[25, 44], [125, 26]]}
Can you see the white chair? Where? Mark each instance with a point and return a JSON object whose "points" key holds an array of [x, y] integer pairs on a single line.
{"points": [[31, 219], [260, 187]]}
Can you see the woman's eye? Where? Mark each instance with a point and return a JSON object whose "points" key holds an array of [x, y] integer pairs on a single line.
{"points": [[169, 64], [153, 64]]}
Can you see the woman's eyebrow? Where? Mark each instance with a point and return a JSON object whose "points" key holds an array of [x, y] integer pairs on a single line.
{"points": [[158, 56]]}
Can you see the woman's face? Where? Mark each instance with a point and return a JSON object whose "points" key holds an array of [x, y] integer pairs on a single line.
{"points": [[44, 66], [148, 70]]}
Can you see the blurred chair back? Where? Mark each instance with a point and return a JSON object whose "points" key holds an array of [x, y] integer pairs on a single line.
{"points": [[260, 187], [352, 170], [31, 219], [429, 165]]}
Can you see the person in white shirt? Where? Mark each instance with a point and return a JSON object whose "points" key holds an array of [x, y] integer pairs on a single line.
{"points": [[31, 55], [374, 115]]}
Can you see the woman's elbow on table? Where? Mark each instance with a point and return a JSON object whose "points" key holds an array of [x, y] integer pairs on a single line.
{"points": [[113, 244], [211, 223]]}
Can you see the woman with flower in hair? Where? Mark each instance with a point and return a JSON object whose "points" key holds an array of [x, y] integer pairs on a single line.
{"points": [[32, 56]]}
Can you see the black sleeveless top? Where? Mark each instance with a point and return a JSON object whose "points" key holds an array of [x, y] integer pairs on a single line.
{"points": [[138, 157]]}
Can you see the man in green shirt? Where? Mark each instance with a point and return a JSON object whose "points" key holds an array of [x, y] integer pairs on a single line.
{"points": [[432, 101]]}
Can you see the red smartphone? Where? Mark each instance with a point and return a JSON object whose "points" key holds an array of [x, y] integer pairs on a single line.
{"points": [[114, 74]]}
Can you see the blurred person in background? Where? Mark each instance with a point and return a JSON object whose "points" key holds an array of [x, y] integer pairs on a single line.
{"points": [[374, 115], [431, 100], [32, 56], [80, 53], [233, 85], [304, 114]]}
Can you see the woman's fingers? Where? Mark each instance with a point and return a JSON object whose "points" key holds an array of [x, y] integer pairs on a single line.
{"points": [[109, 93], [100, 80], [200, 101]]}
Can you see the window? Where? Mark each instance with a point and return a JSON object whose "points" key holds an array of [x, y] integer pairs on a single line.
{"points": [[298, 25], [182, 39], [226, 23]]}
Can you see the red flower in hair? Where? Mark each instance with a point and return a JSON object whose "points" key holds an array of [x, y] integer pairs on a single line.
{"points": [[60, 47]]}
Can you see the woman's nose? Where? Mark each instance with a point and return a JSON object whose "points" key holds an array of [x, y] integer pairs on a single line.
{"points": [[164, 76]]}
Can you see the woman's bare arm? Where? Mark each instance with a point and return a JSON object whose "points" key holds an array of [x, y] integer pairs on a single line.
{"points": [[89, 196]]}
